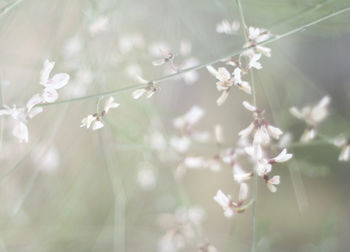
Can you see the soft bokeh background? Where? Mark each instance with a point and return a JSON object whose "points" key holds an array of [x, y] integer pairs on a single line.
{"points": [[85, 195]]}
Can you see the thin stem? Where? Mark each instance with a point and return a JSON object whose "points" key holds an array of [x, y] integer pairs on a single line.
{"points": [[252, 82], [9, 7], [200, 66]]}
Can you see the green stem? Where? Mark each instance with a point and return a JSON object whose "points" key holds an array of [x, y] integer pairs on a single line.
{"points": [[200, 66], [252, 82], [9, 7]]}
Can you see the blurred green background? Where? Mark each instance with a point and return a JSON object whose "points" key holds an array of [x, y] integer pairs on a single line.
{"points": [[85, 196]]}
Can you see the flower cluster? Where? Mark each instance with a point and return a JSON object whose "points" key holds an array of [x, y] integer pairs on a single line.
{"points": [[49, 94], [227, 79]]}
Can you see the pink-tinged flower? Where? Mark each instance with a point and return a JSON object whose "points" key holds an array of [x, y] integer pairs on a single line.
{"points": [[272, 182], [225, 82], [95, 120], [231, 208], [52, 84], [149, 90], [262, 163], [167, 57], [263, 131]]}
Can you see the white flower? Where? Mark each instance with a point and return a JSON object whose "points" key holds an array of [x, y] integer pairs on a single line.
{"points": [[225, 202], [282, 157], [218, 132], [243, 192], [343, 143], [313, 115], [226, 27], [146, 177], [180, 144], [345, 154], [263, 131], [20, 131], [87, 121], [194, 162], [243, 85], [129, 42], [188, 120], [167, 56], [100, 24], [272, 182], [51, 85], [149, 90], [254, 61], [239, 175], [97, 125], [110, 104], [308, 135]]}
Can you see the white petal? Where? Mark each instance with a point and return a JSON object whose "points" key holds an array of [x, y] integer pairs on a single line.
{"points": [[212, 70], [274, 131], [45, 72], [50, 95], [34, 100], [345, 154], [247, 131], [249, 106], [58, 81], [283, 156], [138, 93], [21, 132], [243, 192], [222, 98], [97, 125]]}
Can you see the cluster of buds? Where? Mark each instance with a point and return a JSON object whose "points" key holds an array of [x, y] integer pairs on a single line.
{"points": [[48, 95], [312, 116], [226, 80], [96, 119]]}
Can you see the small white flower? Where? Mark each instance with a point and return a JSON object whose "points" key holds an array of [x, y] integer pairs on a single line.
{"points": [[225, 202], [97, 125], [146, 177], [194, 162], [110, 104], [239, 175], [282, 157], [243, 192], [180, 144], [226, 27], [218, 132], [345, 154], [87, 121], [188, 120], [254, 62], [272, 182], [20, 131], [308, 135], [99, 25], [149, 90]]}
